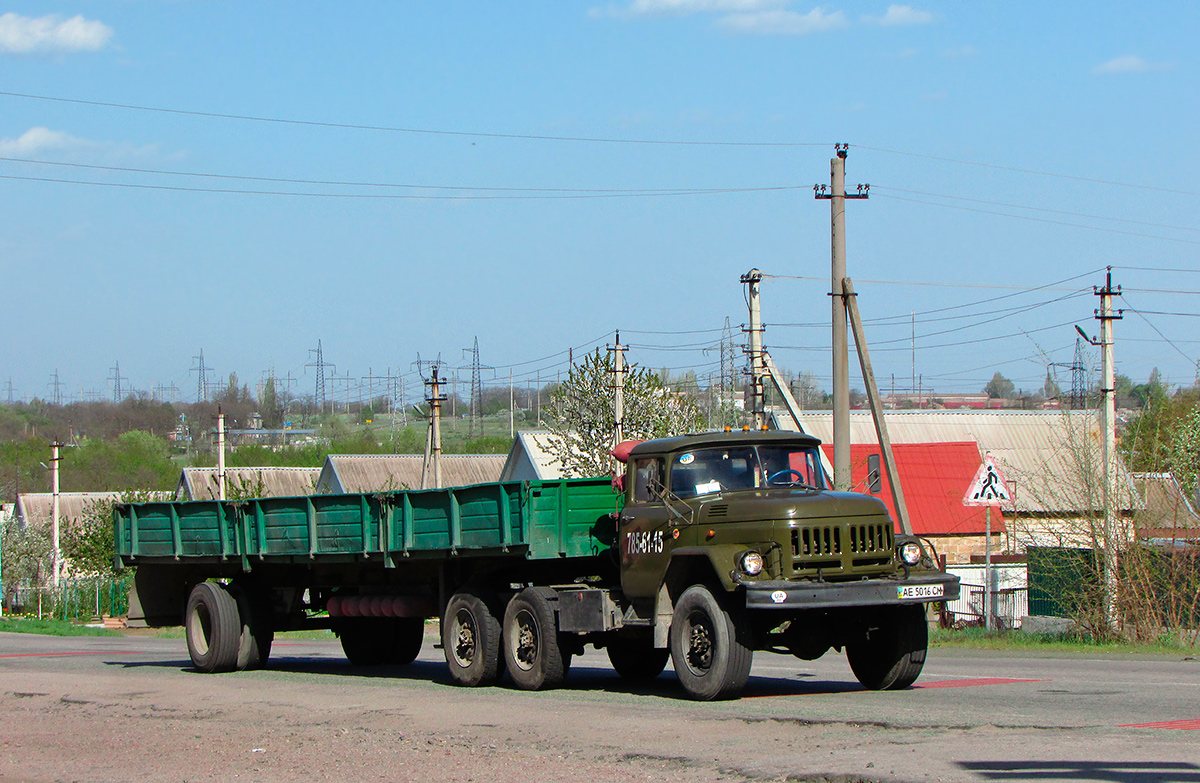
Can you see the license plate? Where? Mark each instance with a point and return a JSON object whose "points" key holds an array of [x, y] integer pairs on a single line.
{"points": [[917, 592]]}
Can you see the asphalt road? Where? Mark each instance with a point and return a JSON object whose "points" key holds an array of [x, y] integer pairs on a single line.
{"points": [[130, 708]]}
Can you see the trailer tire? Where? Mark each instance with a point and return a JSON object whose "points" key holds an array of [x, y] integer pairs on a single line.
{"points": [[637, 660], [711, 646], [257, 633], [381, 641], [213, 628], [535, 659], [471, 639], [890, 654]]}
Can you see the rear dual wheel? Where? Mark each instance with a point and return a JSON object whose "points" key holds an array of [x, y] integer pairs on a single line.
{"points": [[471, 638], [535, 658], [227, 628]]}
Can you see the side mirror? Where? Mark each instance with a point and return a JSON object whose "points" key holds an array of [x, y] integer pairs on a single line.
{"points": [[874, 479]]}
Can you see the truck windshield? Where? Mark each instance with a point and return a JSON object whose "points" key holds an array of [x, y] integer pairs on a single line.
{"points": [[709, 470]]}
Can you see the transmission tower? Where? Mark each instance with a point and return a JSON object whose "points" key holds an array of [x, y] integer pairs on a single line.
{"points": [[116, 381], [56, 385], [202, 370], [1078, 377], [9, 389], [476, 390], [727, 370], [320, 364]]}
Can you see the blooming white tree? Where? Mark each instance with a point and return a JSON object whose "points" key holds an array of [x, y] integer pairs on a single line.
{"points": [[582, 419]]}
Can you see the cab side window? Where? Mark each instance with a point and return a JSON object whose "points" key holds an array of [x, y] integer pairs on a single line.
{"points": [[647, 479]]}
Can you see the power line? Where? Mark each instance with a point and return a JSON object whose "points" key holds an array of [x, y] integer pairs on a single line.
{"points": [[1041, 220], [1035, 172], [357, 184], [1035, 209], [424, 131], [404, 196]]}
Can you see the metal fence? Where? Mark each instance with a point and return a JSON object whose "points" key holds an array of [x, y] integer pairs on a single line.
{"points": [[80, 600], [1010, 593]]}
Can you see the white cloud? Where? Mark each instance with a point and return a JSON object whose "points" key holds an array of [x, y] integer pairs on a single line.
{"points": [[686, 7], [26, 35], [1129, 63], [38, 140], [781, 22], [900, 14]]}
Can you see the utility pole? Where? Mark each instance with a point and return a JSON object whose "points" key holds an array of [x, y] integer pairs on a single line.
{"points": [[435, 398], [841, 358], [1108, 418], [220, 454], [512, 422], [54, 511], [619, 372], [757, 401]]}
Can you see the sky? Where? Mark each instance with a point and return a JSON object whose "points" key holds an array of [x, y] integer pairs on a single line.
{"points": [[395, 180]]}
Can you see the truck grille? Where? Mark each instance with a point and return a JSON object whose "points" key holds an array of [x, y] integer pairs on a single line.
{"points": [[843, 548]]}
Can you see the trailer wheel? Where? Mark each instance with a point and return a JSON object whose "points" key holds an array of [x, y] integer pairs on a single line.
{"points": [[710, 646], [532, 652], [257, 632], [381, 641], [471, 639], [891, 653], [637, 659], [213, 628]]}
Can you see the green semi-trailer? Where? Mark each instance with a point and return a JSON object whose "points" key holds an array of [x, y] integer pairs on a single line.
{"points": [[708, 548]]}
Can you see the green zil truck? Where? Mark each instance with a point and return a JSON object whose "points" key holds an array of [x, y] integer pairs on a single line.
{"points": [[709, 547]]}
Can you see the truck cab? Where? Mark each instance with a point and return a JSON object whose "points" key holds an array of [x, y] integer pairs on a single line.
{"points": [[747, 521]]}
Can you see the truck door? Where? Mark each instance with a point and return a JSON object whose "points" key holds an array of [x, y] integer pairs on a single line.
{"points": [[644, 532]]}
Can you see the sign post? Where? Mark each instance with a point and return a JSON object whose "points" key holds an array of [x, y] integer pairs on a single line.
{"points": [[988, 489]]}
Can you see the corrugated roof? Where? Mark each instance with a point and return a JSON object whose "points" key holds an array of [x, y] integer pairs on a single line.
{"points": [[1044, 454], [269, 482], [935, 476], [351, 473], [1167, 509], [36, 508]]}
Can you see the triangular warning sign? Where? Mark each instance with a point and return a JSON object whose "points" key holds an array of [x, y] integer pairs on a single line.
{"points": [[989, 487]]}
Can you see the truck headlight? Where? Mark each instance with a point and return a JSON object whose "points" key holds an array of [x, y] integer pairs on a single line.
{"points": [[751, 563], [910, 553]]}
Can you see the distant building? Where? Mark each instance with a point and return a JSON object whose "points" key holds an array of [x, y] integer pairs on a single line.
{"points": [[267, 482], [354, 473], [531, 458]]}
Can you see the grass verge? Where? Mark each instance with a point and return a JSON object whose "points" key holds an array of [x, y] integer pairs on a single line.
{"points": [[51, 627], [980, 639]]}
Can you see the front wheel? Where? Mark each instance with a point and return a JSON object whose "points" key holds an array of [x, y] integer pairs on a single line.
{"points": [[711, 646], [890, 654], [532, 653]]}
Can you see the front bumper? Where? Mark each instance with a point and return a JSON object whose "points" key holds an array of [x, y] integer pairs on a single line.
{"points": [[916, 589]]}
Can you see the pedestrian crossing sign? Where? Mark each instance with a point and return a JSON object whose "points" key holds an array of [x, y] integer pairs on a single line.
{"points": [[989, 487]]}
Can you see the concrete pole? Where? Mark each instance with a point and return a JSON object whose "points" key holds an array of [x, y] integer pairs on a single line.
{"points": [[436, 404], [1108, 418], [512, 427], [618, 391], [757, 401], [220, 454], [841, 356], [54, 513]]}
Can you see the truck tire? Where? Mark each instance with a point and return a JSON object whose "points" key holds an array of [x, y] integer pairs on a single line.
{"points": [[257, 633], [711, 647], [637, 659], [213, 628], [471, 639], [535, 659], [891, 653], [381, 641]]}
